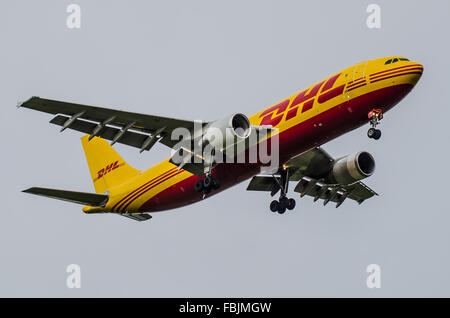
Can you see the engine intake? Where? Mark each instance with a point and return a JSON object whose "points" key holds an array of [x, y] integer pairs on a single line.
{"points": [[352, 168], [240, 125], [228, 131]]}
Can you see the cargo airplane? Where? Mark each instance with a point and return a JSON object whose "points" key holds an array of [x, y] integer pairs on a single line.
{"points": [[358, 95]]}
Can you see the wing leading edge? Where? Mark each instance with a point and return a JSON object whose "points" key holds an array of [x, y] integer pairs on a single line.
{"points": [[138, 130]]}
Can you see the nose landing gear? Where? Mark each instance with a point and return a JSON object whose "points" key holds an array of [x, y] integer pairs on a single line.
{"points": [[374, 133], [375, 116]]}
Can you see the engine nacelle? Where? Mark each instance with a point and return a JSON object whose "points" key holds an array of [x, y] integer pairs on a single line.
{"points": [[352, 168], [227, 132]]}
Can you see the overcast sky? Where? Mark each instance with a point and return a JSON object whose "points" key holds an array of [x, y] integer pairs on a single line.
{"points": [[205, 60]]}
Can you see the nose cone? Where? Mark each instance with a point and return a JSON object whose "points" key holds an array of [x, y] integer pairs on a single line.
{"points": [[395, 71], [413, 72], [391, 79]]}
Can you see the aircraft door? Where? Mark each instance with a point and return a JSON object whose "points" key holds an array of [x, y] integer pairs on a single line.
{"points": [[355, 78]]}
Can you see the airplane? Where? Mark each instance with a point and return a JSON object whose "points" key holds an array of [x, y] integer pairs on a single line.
{"points": [[358, 95]]}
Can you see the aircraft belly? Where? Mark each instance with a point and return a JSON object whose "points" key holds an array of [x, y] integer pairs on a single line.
{"points": [[183, 192]]}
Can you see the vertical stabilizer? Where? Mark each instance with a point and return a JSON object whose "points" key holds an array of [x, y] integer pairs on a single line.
{"points": [[107, 167]]}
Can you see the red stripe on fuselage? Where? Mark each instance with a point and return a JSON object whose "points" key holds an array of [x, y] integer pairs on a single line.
{"points": [[149, 188], [137, 189], [356, 82], [399, 71], [355, 87], [397, 68], [142, 189], [395, 75]]}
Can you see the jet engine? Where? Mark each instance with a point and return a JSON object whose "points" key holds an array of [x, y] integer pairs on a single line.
{"points": [[352, 168], [223, 133]]}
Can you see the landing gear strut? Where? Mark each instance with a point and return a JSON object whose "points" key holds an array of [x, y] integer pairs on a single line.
{"points": [[208, 183], [375, 116], [284, 202]]}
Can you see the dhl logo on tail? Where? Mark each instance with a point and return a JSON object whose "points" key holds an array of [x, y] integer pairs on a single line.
{"points": [[107, 169]]}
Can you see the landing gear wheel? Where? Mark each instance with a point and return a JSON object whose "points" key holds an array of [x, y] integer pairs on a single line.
{"points": [[274, 205], [281, 208], [284, 201], [199, 186], [291, 204], [207, 182], [377, 134], [374, 133]]}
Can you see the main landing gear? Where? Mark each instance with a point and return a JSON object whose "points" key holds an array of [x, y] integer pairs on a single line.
{"points": [[375, 116], [281, 205], [284, 202], [208, 184]]}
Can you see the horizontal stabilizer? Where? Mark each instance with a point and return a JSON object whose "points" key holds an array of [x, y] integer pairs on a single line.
{"points": [[92, 199]]}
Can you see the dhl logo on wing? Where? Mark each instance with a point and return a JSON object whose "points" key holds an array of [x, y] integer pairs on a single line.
{"points": [[107, 169], [305, 99]]}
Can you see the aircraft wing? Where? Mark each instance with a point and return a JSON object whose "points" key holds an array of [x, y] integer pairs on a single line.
{"points": [[133, 129], [357, 191], [309, 169]]}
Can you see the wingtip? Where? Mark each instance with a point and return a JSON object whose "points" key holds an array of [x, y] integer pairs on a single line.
{"points": [[29, 190], [21, 103]]}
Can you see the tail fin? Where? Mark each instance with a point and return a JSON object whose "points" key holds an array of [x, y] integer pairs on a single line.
{"points": [[107, 167]]}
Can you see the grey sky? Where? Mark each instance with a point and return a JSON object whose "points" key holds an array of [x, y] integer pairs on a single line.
{"points": [[204, 60]]}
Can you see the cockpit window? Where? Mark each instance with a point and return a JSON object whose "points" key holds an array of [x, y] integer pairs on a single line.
{"points": [[395, 60]]}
